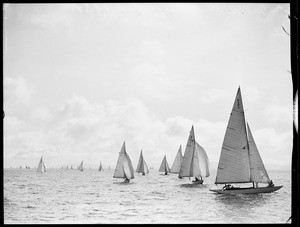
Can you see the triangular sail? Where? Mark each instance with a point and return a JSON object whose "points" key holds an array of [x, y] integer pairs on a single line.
{"points": [[41, 166], [258, 171], [177, 162], [124, 167], [164, 166], [234, 163], [80, 167], [142, 166], [203, 161], [186, 169], [195, 161]]}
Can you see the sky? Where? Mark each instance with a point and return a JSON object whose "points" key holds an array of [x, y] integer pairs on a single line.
{"points": [[80, 79]]}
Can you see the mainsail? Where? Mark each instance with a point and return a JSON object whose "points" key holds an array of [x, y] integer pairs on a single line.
{"points": [[80, 167], [142, 166], [234, 163], [177, 162], [41, 166], [195, 161], [124, 167], [164, 166], [258, 171]]}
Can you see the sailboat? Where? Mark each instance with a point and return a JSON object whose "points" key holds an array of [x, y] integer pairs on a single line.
{"points": [[142, 166], [71, 166], [177, 162], [41, 166], [124, 167], [80, 167], [164, 166], [195, 161], [100, 167], [240, 161]]}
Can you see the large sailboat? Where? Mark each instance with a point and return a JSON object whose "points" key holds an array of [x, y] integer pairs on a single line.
{"points": [[177, 162], [41, 166], [164, 166], [124, 167], [142, 166], [100, 167], [240, 161], [80, 167], [195, 161]]}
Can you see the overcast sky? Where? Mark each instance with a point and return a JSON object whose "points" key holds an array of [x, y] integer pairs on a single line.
{"points": [[79, 79]]}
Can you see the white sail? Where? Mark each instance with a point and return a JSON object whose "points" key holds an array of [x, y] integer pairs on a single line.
{"points": [[164, 166], [195, 161], [203, 161], [100, 167], [124, 167], [41, 166], [177, 162], [142, 166], [80, 167], [258, 171], [234, 163]]}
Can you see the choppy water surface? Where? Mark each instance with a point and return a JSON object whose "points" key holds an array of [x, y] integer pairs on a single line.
{"points": [[71, 196]]}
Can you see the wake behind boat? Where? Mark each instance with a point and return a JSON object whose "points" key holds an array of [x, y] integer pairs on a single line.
{"points": [[240, 161]]}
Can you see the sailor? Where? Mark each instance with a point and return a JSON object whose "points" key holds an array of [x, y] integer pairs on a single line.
{"points": [[126, 180], [197, 180], [271, 184]]}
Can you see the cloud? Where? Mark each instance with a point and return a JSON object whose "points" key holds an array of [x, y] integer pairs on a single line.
{"points": [[276, 113], [54, 16], [17, 90], [214, 94]]}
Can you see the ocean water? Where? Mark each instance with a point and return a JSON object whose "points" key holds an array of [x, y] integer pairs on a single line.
{"points": [[70, 196]]}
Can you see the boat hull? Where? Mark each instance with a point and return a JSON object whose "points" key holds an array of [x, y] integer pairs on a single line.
{"points": [[247, 190]]}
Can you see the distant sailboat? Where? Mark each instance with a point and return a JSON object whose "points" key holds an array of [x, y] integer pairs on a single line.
{"points": [[80, 167], [71, 166], [177, 162], [195, 161], [41, 166], [164, 166], [142, 166], [124, 167], [240, 161], [100, 167]]}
